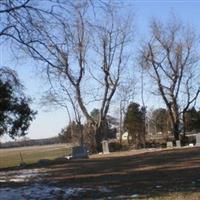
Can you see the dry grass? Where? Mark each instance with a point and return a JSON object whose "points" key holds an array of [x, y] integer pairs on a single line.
{"points": [[178, 196], [11, 157]]}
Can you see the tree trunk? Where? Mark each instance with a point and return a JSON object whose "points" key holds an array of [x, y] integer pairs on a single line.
{"points": [[81, 138], [175, 130], [183, 139], [120, 125], [98, 138], [101, 134]]}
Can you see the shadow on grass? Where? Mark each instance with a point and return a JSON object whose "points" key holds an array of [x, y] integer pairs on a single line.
{"points": [[152, 174]]}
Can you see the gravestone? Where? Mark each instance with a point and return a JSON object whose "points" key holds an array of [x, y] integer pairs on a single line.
{"points": [[79, 152], [198, 139], [105, 147], [169, 144], [178, 143]]}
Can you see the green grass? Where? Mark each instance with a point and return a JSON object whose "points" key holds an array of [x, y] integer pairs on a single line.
{"points": [[11, 157]]}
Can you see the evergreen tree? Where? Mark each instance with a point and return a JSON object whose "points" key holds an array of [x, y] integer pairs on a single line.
{"points": [[192, 120], [134, 123], [15, 113], [160, 118]]}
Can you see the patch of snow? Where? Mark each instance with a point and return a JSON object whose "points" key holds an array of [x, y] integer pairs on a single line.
{"points": [[41, 192], [68, 157], [103, 189], [135, 195], [38, 191], [158, 186], [21, 175]]}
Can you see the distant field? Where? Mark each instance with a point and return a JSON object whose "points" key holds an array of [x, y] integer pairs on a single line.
{"points": [[11, 157]]}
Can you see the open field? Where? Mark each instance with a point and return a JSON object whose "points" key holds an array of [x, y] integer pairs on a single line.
{"points": [[153, 175], [11, 156]]}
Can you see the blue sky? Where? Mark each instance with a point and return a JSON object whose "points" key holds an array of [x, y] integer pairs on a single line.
{"points": [[49, 123]]}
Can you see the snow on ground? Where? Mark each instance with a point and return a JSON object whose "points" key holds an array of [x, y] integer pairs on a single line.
{"points": [[42, 192], [38, 190], [21, 175]]}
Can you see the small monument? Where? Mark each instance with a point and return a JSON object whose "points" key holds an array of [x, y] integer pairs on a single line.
{"points": [[178, 143], [169, 144], [198, 140], [105, 147], [78, 152]]}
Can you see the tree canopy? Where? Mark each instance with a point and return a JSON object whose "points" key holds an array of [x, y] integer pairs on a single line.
{"points": [[134, 122], [15, 112], [192, 120]]}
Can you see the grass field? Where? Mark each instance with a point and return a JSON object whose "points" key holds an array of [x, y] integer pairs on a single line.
{"points": [[11, 157]]}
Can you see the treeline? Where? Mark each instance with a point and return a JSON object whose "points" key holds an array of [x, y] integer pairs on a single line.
{"points": [[138, 123], [159, 121], [31, 142]]}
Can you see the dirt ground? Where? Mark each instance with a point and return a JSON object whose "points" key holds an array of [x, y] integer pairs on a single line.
{"points": [[142, 174]]}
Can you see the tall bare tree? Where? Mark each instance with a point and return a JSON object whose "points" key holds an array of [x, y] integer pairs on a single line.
{"points": [[65, 37], [172, 62], [112, 38]]}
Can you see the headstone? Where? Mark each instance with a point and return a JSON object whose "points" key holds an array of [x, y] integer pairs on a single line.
{"points": [[191, 145], [44, 162], [198, 139], [105, 147], [178, 143], [79, 152], [169, 144]]}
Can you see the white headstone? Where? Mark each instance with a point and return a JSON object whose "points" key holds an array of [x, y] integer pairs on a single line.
{"points": [[105, 147], [169, 144], [178, 143], [198, 139]]}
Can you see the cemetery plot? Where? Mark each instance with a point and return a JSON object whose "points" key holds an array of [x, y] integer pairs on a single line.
{"points": [[143, 174]]}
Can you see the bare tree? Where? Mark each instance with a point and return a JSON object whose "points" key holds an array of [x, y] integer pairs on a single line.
{"points": [[62, 95], [125, 95], [15, 14], [112, 39], [7, 6], [172, 63], [65, 37]]}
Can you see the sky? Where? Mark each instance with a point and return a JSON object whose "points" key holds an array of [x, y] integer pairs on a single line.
{"points": [[48, 123]]}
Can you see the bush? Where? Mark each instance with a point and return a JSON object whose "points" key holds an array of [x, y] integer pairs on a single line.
{"points": [[155, 144], [115, 146]]}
